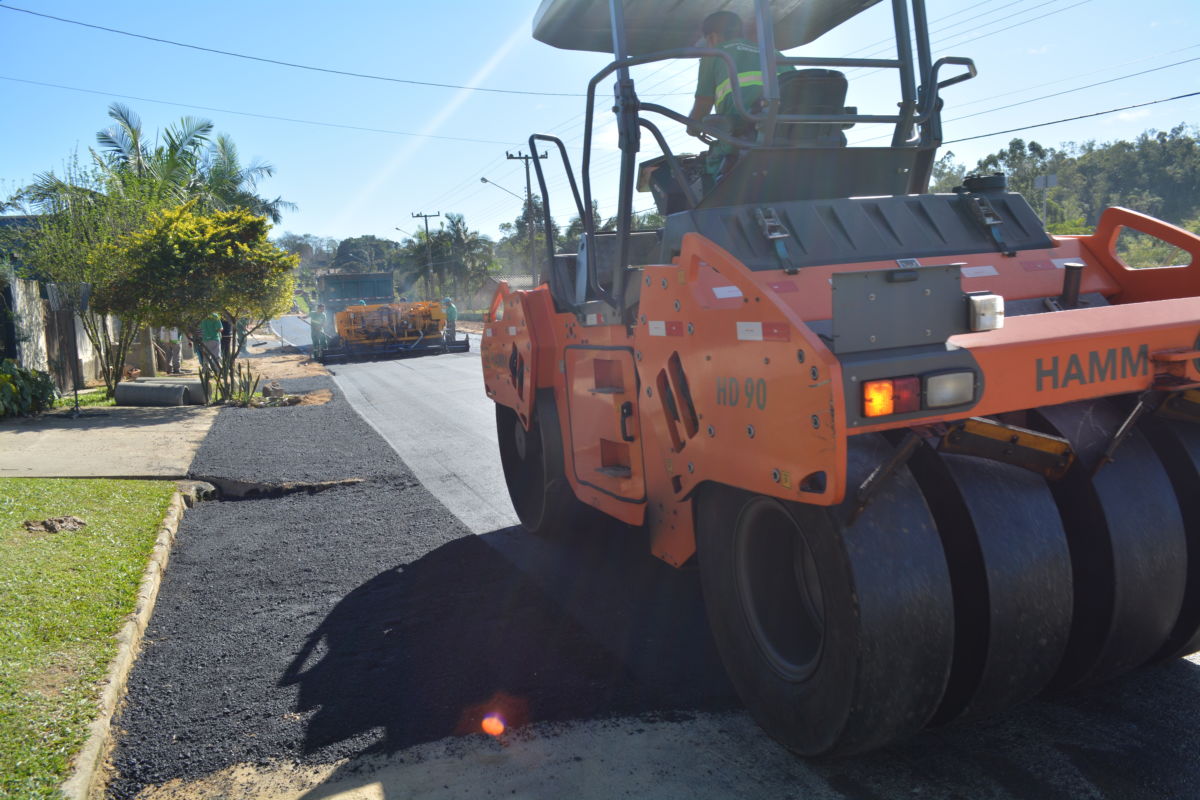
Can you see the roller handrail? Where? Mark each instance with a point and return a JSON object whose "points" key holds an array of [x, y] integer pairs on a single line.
{"points": [[1114, 218], [547, 219]]}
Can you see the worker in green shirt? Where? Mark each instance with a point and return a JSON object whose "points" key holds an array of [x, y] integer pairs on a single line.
{"points": [[723, 31], [316, 321], [210, 335], [451, 318]]}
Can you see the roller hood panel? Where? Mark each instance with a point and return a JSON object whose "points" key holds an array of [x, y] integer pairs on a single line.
{"points": [[653, 25]]}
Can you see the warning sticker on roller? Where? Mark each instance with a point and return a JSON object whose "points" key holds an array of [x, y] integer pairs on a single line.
{"points": [[979, 272], [726, 292], [657, 327], [750, 331], [512, 330]]}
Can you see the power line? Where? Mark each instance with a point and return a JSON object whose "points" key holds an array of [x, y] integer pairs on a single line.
{"points": [[293, 65], [1015, 24], [251, 113], [1048, 96], [890, 43], [1073, 119], [1076, 89], [1064, 79]]}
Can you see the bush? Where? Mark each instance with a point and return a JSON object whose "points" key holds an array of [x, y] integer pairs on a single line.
{"points": [[23, 391]]}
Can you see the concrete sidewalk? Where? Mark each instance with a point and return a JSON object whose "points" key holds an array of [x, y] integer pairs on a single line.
{"points": [[110, 442]]}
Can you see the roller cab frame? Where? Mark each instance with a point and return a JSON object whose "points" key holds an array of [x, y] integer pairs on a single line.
{"points": [[756, 379]]}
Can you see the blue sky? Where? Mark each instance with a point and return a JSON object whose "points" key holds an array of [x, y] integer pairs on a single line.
{"points": [[352, 182]]}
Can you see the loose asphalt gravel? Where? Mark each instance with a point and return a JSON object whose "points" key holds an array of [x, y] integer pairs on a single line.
{"points": [[366, 618]]}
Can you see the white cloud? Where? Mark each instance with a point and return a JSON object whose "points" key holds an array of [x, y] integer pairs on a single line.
{"points": [[1039, 51], [1130, 116]]}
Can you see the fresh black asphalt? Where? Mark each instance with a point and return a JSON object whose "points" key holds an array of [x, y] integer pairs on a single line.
{"points": [[365, 618]]}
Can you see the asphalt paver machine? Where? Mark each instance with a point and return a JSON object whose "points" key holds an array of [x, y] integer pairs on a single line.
{"points": [[930, 460], [365, 322]]}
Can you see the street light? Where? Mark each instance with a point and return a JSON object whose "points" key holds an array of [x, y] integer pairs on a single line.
{"points": [[526, 200], [501, 188]]}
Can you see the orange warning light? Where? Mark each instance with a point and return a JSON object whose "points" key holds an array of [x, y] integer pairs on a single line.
{"points": [[878, 398], [493, 725]]}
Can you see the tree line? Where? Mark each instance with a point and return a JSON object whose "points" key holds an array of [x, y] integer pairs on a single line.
{"points": [[1158, 174]]}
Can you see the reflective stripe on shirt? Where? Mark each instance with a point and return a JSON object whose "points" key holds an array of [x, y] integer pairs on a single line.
{"points": [[725, 87]]}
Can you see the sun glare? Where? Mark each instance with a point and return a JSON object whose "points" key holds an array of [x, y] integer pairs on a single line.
{"points": [[493, 725]]}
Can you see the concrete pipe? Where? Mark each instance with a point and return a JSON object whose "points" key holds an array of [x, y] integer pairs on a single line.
{"points": [[149, 394]]}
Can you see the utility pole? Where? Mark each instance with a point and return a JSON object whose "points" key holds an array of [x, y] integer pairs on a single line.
{"points": [[529, 205], [428, 255]]}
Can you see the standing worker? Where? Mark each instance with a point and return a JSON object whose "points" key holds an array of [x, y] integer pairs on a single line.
{"points": [[210, 336], [723, 31], [316, 321], [451, 318]]}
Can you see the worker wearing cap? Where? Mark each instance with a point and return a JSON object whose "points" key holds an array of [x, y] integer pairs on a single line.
{"points": [[451, 318], [723, 31], [316, 321]]}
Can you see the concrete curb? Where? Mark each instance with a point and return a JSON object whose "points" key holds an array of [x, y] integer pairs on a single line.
{"points": [[87, 776]]}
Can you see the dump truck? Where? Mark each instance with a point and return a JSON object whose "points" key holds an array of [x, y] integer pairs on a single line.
{"points": [[929, 460], [363, 320]]}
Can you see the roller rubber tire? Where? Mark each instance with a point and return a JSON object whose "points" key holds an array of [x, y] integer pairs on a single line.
{"points": [[1010, 570], [1178, 446], [837, 637], [533, 463], [1128, 549]]}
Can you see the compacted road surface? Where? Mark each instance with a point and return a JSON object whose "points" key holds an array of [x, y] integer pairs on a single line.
{"points": [[349, 642]]}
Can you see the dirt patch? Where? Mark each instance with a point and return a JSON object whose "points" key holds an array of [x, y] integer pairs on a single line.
{"points": [[318, 398], [271, 367], [266, 782], [471, 327], [55, 524], [53, 679]]}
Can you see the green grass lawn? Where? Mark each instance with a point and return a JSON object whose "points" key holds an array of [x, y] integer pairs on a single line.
{"points": [[90, 399], [64, 596]]}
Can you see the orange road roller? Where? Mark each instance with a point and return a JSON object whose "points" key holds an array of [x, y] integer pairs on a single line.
{"points": [[929, 460]]}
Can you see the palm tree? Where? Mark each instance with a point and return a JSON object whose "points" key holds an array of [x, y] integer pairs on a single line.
{"points": [[188, 163], [227, 184], [175, 164], [471, 254]]}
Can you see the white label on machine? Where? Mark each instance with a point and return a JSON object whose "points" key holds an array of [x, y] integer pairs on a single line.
{"points": [[512, 330], [979, 272], [487, 332], [749, 331], [726, 292], [657, 327], [591, 319]]}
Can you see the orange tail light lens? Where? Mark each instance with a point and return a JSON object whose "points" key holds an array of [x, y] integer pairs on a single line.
{"points": [[891, 396], [879, 398]]}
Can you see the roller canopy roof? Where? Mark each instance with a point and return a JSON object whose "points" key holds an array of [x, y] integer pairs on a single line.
{"points": [[653, 25]]}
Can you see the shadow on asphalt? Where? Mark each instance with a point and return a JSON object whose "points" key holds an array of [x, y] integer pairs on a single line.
{"points": [[538, 631], [592, 628]]}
